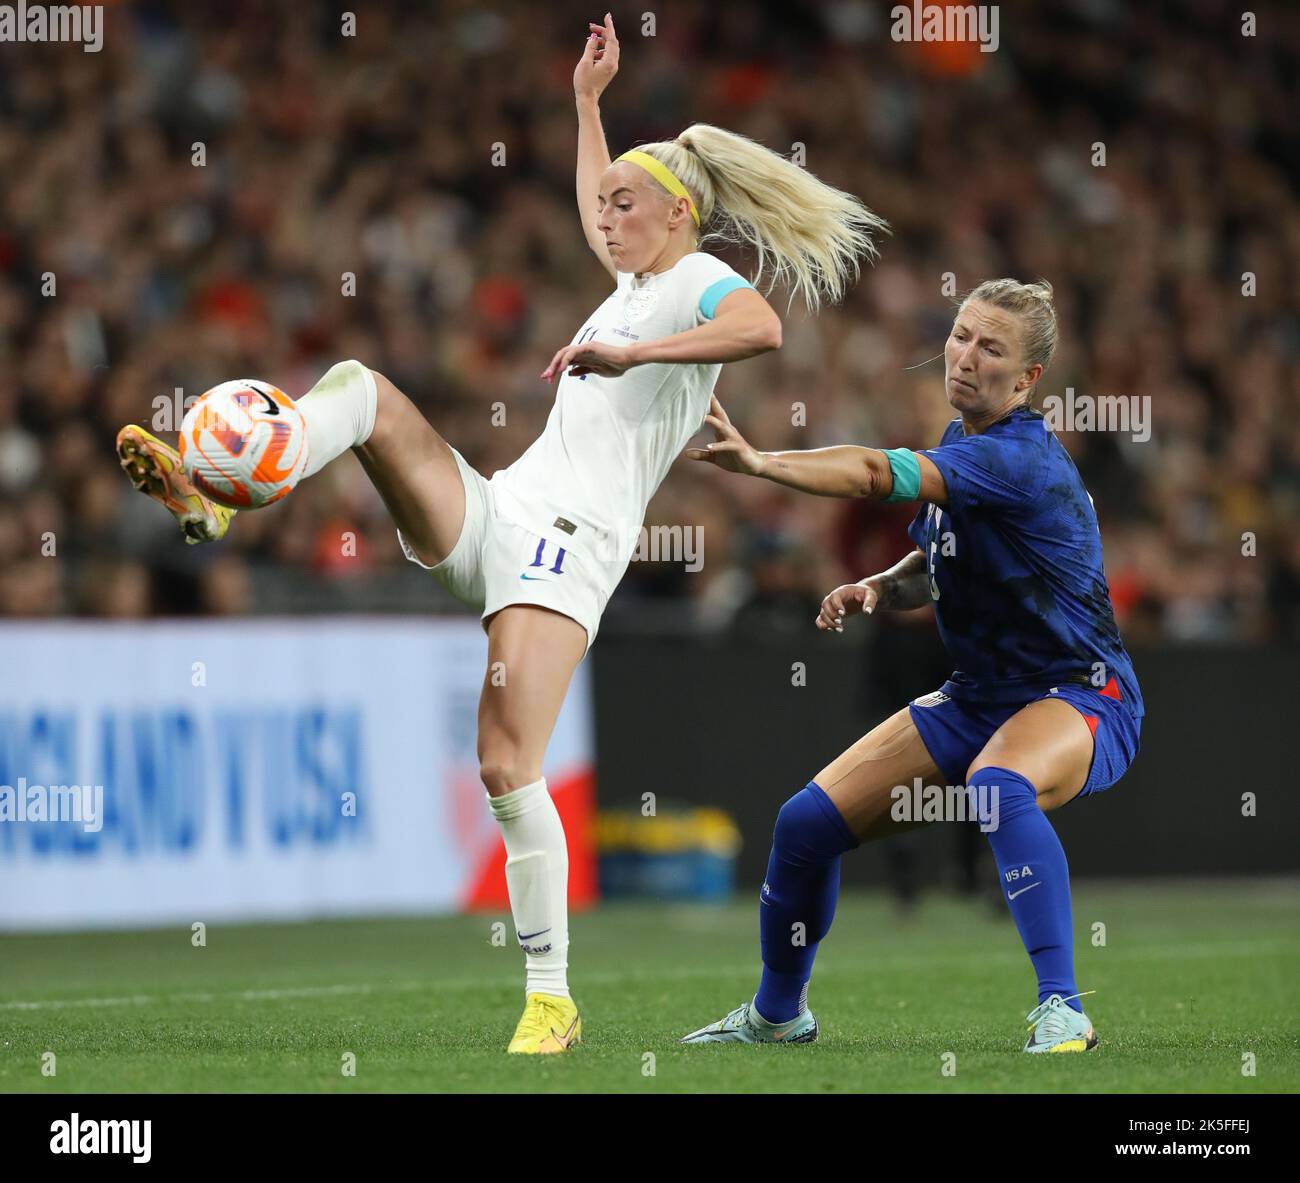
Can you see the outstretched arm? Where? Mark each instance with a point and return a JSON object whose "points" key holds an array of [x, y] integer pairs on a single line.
{"points": [[845, 470], [597, 68]]}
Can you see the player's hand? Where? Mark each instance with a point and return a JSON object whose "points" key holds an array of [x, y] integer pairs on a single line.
{"points": [[850, 598], [591, 357], [599, 61], [730, 451]]}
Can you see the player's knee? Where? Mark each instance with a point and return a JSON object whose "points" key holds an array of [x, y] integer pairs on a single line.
{"points": [[392, 410], [384, 389], [503, 768], [498, 772], [352, 373], [790, 819], [806, 833], [990, 788], [345, 373]]}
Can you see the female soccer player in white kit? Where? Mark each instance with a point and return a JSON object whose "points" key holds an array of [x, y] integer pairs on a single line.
{"points": [[539, 547]]}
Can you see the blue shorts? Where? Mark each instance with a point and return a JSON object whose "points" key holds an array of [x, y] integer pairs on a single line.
{"points": [[955, 731]]}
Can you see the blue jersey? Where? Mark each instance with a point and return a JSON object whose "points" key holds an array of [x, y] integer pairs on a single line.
{"points": [[1015, 568]]}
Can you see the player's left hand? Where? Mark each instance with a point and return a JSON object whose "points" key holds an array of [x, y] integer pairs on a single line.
{"points": [[591, 357], [731, 451]]}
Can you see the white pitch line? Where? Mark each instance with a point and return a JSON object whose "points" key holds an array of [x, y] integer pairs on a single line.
{"points": [[1197, 951], [205, 996], [51, 1004], [608, 977]]}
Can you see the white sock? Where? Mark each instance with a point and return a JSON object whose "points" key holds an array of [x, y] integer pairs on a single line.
{"points": [[537, 874], [340, 413]]}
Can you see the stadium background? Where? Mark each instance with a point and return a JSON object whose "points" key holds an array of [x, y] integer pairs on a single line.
{"points": [[373, 156]]}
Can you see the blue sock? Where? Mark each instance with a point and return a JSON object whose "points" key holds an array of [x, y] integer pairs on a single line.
{"points": [[1034, 875], [802, 885]]}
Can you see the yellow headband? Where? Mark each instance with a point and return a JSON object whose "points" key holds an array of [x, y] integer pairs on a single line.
{"points": [[661, 173]]}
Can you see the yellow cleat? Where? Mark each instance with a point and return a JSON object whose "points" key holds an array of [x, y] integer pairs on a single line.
{"points": [[550, 1024], [155, 470]]}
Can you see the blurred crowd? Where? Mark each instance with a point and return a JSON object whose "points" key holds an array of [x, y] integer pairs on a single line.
{"points": [[243, 190]]}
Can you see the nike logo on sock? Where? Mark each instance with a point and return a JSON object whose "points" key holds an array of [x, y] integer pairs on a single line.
{"points": [[528, 936], [1012, 895]]}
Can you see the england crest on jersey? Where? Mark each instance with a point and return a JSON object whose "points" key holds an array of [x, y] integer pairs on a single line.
{"points": [[640, 303]]}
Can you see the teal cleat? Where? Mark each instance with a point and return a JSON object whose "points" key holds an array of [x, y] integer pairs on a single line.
{"points": [[746, 1025], [1056, 1027]]}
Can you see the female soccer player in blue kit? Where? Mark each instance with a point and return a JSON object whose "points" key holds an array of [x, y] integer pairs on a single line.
{"points": [[1043, 705]]}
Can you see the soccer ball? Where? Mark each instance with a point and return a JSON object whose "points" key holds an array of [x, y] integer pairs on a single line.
{"points": [[244, 443]]}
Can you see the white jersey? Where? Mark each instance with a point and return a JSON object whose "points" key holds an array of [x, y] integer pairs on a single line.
{"points": [[609, 442]]}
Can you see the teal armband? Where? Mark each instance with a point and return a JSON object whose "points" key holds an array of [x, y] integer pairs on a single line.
{"points": [[713, 294], [907, 474]]}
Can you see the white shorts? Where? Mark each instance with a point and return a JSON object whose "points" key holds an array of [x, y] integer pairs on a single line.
{"points": [[496, 563]]}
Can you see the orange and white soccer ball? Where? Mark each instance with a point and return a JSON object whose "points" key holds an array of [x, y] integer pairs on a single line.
{"points": [[244, 443]]}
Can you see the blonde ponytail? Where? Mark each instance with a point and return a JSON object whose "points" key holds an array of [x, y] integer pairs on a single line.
{"points": [[804, 232]]}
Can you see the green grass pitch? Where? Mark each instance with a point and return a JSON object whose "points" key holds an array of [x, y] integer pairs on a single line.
{"points": [[1190, 979]]}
